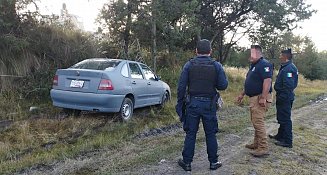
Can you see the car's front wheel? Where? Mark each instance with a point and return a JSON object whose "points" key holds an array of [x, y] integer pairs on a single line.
{"points": [[126, 109], [164, 100]]}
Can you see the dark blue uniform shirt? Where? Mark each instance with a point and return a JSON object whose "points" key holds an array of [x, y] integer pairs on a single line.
{"points": [[258, 72], [222, 82], [286, 82]]}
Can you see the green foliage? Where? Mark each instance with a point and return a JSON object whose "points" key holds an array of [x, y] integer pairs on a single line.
{"points": [[179, 24], [32, 48], [311, 63], [175, 24], [305, 56], [238, 57]]}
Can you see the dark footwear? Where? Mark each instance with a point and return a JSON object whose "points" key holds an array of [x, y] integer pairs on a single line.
{"points": [[283, 144], [274, 137], [260, 152], [251, 146], [214, 166], [185, 166]]}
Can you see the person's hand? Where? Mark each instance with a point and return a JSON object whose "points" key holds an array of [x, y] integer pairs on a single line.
{"points": [[240, 99], [262, 102]]}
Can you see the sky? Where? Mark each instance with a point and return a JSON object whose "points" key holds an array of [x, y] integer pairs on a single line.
{"points": [[87, 11], [316, 26]]}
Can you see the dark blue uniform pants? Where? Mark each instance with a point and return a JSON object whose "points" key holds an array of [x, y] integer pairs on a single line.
{"points": [[284, 107], [205, 110]]}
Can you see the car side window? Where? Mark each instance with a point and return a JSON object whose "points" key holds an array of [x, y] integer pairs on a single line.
{"points": [[149, 75], [124, 71], [135, 71]]}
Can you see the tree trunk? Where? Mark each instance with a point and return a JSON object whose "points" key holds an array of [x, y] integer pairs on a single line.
{"points": [[220, 45], [128, 29], [154, 41]]}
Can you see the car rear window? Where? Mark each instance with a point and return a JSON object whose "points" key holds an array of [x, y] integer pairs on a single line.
{"points": [[97, 64]]}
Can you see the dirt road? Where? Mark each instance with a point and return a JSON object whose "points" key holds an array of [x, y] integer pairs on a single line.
{"points": [[308, 156]]}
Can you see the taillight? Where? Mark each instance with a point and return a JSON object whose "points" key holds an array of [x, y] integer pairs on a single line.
{"points": [[55, 80], [106, 85]]}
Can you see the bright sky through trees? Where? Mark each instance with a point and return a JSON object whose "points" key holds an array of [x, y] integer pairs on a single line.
{"points": [[87, 11]]}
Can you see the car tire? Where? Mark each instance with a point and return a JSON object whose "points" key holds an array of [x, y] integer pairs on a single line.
{"points": [[72, 112], [164, 100], [126, 109]]}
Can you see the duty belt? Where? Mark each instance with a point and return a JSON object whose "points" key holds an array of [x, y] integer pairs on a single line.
{"points": [[202, 98]]}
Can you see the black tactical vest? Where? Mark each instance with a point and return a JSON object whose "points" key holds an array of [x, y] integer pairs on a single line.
{"points": [[202, 78]]}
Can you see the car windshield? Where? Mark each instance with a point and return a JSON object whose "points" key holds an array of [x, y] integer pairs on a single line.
{"points": [[97, 64]]}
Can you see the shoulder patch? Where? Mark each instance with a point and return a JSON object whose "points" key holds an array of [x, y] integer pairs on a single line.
{"points": [[267, 69]]}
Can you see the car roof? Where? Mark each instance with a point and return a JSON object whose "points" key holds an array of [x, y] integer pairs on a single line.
{"points": [[95, 59], [100, 59]]}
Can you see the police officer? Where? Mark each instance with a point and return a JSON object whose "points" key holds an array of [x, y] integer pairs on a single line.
{"points": [[199, 81], [258, 87], [285, 84]]}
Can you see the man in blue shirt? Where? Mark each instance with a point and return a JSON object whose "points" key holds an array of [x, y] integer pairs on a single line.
{"points": [[258, 87], [200, 79], [286, 82]]}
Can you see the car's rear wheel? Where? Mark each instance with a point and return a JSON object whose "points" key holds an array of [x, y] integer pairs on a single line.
{"points": [[126, 109], [72, 112]]}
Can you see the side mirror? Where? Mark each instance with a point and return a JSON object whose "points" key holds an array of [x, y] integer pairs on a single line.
{"points": [[158, 78]]}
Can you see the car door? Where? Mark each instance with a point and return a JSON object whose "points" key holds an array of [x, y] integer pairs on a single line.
{"points": [[138, 84], [155, 88]]}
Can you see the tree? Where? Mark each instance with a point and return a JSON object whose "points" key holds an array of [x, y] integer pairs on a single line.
{"points": [[179, 24], [238, 57], [311, 63], [12, 24], [155, 24], [32, 44], [219, 18], [116, 19]]}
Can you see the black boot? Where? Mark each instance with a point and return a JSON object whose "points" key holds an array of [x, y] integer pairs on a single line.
{"points": [[283, 144], [185, 166], [214, 166], [274, 137]]}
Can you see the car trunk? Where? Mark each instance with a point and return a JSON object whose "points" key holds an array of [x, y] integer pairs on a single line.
{"points": [[79, 80]]}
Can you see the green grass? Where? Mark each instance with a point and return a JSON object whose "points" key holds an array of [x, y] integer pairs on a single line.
{"points": [[31, 134], [21, 143]]}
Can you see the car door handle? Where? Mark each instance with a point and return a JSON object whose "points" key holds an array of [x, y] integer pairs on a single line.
{"points": [[133, 82], [149, 83]]}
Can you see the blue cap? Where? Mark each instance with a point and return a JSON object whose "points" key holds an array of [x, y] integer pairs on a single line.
{"points": [[287, 51]]}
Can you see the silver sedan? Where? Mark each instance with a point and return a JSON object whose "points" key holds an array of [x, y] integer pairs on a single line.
{"points": [[108, 85]]}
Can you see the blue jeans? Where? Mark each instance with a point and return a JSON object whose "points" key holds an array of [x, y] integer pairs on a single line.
{"points": [[284, 108], [204, 109]]}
